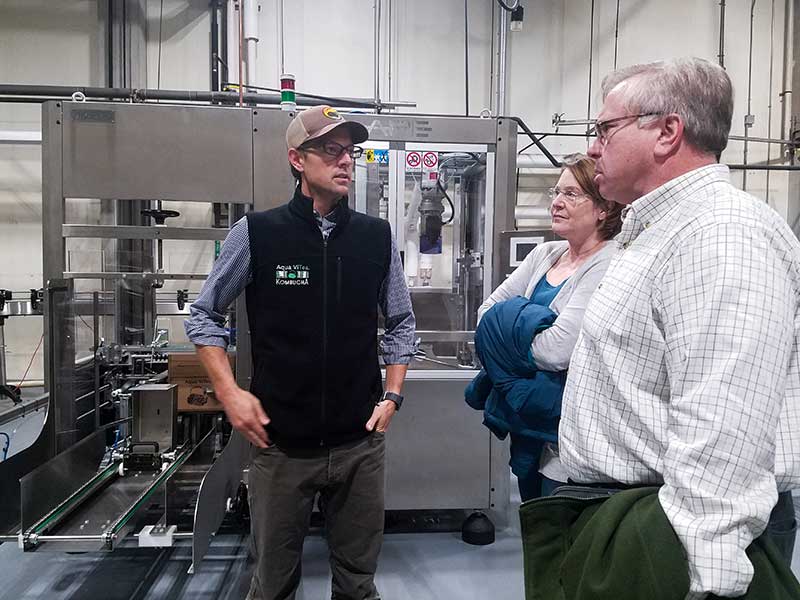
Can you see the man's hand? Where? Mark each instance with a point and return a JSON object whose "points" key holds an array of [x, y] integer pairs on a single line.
{"points": [[381, 416], [247, 416]]}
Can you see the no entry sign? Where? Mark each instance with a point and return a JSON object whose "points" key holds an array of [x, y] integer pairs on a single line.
{"points": [[413, 160]]}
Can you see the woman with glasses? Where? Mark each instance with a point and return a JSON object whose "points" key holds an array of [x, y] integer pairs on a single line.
{"points": [[561, 275]]}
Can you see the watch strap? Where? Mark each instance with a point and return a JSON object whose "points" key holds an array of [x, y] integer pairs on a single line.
{"points": [[396, 398]]}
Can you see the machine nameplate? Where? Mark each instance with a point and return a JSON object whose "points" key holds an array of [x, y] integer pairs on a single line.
{"points": [[93, 116]]}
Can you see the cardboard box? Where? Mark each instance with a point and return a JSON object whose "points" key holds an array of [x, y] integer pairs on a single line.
{"points": [[194, 387]]}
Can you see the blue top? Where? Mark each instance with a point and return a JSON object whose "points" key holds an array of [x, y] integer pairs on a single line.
{"points": [[544, 293], [525, 451]]}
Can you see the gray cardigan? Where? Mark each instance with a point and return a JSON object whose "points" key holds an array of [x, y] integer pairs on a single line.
{"points": [[553, 347]]}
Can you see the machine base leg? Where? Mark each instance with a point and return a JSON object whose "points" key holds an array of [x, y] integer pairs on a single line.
{"points": [[477, 530]]}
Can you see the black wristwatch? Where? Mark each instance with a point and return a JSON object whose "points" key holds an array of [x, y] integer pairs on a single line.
{"points": [[396, 398]]}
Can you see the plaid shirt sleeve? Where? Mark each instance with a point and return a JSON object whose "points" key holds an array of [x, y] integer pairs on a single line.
{"points": [[230, 274], [398, 343], [725, 307]]}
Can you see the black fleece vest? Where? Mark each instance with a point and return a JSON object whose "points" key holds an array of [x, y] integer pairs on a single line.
{"points": [[313, 313]]}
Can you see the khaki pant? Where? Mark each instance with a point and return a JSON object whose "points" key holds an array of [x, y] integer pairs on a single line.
{"points": [[282, 488]]}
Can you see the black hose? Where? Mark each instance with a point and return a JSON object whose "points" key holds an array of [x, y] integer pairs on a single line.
{"points": [[452, 206], [507, 7]]}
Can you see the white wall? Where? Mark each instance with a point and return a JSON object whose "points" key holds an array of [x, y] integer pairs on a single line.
{"points": [[41, 41], [549, 69], [329, 48]]}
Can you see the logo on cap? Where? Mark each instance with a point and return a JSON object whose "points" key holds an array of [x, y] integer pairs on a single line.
{"points": [[332, 113]]}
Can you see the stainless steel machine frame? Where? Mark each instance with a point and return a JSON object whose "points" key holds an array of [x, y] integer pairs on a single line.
{"points": [[439, 457]]}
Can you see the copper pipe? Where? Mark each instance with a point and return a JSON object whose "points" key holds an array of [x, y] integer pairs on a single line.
{"points": [[241, 53]]}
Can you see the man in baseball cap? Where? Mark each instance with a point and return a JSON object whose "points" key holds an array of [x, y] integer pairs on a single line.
{"points": [[315, 273]]}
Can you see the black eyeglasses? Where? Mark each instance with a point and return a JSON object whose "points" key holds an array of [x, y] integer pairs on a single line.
{"points": [[336, 150], [602, 129]]}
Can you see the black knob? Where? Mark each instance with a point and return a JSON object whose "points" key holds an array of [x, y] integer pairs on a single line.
{"points": [[160, 215]]}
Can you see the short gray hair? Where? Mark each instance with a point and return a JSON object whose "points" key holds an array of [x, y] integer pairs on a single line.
{"points": [[696, 89]]}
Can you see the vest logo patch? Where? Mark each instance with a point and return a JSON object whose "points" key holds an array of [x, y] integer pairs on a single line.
{"points": [[292, 275]]}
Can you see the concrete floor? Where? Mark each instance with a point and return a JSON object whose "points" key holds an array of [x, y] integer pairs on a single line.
{"points": [[418, 566], [414, 566]]}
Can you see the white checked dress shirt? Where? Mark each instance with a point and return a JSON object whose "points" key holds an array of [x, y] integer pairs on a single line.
{"points": [[687, 369]]}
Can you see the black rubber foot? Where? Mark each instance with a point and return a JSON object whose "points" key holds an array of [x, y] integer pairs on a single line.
{"points": [[478, 530]]}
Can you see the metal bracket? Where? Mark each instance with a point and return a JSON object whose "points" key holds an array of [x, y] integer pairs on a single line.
{"points": [[157, 536], [36, 298]]}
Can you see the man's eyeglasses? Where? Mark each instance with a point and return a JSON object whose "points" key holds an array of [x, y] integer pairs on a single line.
{"points": [[572, 196], [336, 150], [602, 129]]}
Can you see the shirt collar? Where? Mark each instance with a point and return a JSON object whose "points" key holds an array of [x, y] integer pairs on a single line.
{"points": [[303, 206], [655, 205]]}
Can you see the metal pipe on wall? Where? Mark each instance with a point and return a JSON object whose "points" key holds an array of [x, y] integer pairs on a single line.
{"points": [[530, 161], [42, 93], [527, 211], [251, 8], [721, 55], [279, 22], [377, 49], [20, 137], [500, 103], [389, 41], [232, 27], [240, 29], [591, 56], [786, 92], [748, 118], [466, 57], [769, 88], [223, 38], [214, 58]]}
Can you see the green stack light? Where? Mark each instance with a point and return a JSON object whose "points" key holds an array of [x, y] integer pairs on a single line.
{"points": [[288, 99]]}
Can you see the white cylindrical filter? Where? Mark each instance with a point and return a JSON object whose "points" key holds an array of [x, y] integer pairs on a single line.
{"points": [[411, 265], [412, 237], [251, 9], [383, 203], [425, 269]]}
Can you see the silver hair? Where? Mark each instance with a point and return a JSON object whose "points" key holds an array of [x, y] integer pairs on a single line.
{"points": [[699, 91]]}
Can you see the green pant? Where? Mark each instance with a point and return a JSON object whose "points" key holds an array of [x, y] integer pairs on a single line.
{"points": [[282, 488], [623, 547]]}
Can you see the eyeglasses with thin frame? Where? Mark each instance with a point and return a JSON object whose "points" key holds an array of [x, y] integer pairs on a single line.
{"points": [[602, 129], [335, 149], [572, 196]]}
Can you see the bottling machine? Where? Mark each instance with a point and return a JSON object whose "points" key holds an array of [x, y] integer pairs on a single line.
{"points": [[134, 447]]}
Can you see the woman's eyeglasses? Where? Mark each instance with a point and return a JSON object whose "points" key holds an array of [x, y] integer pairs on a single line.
{"points": [[571, 195]]}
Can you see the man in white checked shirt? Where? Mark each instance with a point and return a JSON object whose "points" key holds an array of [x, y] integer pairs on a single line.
{"points": [[687, 369]]}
